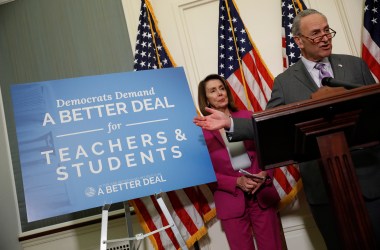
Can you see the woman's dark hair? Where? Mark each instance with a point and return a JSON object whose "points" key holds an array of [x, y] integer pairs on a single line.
{"points": [[202, 98]]}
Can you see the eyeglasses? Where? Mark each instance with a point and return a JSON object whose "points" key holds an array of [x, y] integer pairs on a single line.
{"points": [[330, 34]]}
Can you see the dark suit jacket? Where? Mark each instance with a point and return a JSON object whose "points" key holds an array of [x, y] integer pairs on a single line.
{"points": [[295, 84]]}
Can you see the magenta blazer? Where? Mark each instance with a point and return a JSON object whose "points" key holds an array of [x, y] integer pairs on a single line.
{"points": [[229, 199]]}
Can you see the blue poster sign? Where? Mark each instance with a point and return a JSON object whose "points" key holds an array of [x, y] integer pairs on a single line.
{"points": [[89, 141]]}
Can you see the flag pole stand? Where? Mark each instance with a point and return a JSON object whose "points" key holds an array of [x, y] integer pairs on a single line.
{"points": [[140, 236]]}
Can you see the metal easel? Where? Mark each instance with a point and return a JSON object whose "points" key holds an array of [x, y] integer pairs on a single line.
{"points": [[140, 236]]}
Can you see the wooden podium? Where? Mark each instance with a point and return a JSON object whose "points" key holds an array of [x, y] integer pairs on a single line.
{"points": [[326, 128]]}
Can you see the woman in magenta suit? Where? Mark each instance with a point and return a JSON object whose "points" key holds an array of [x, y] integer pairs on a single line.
{"points": [[246, 206]]}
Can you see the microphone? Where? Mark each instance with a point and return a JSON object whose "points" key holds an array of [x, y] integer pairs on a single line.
{"points": [[331, 82]]}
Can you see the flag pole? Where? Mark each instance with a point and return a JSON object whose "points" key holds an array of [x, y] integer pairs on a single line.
{"points": [[260, 57], [238, 57], [151, 13], [298, 4], [190, 219], [153, 34]]}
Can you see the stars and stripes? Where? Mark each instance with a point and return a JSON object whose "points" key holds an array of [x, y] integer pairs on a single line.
{"points": [[371, 37], [239, 61], [150, 52], [250, 81], [290, 51], [191, 207]]}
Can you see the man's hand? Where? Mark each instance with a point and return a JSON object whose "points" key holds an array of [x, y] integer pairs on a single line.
{"points": [[216, 120]]}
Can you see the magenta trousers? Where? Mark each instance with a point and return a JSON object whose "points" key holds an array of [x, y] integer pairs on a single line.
{"points": [[263, 225]]}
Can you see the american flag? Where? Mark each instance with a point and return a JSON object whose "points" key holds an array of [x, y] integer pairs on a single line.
{"points": [[250, 81], [371, 37], [290, 51], [189, 207]]}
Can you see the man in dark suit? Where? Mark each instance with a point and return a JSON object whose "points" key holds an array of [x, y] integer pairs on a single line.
{"points": [[313, 36]]}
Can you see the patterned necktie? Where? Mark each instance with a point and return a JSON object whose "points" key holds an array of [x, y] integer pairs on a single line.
{"points": [[322, 71]]}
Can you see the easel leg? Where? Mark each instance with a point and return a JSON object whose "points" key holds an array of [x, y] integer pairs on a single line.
{"points": [[170, 220], [128, 221], [172, 225], [103, 233]]}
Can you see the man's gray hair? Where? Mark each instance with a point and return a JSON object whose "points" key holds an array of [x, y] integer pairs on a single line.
{"points": [[297, 20]]}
